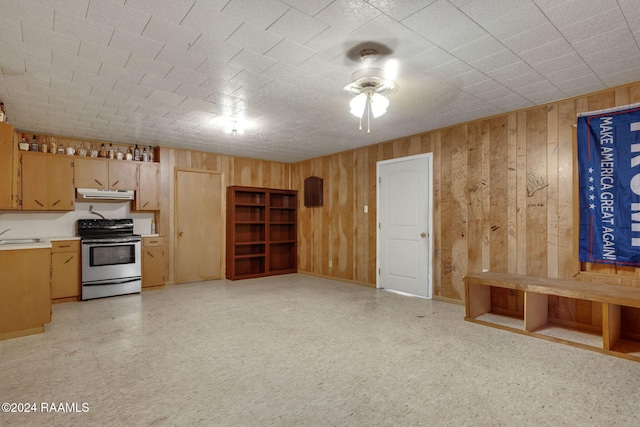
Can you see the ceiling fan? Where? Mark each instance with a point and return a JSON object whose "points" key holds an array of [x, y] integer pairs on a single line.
{"points": [[370, 83]]}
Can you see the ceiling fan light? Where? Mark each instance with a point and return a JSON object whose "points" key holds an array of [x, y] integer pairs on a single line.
{"points": [[379, 105], [358, 104]]}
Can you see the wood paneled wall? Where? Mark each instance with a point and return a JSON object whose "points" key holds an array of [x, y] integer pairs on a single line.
{"points": [[234, 171], [505, 199]]}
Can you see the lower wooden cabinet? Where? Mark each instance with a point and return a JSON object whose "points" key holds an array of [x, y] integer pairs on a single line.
{"points": [[154, 262], [65, 270], [25, 292]]}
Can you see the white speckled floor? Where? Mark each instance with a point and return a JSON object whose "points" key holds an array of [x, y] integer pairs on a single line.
{"points": [[299, 350]]}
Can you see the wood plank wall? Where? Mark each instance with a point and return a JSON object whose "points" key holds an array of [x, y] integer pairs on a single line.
{"points": [[504, 200], [234, 171]]}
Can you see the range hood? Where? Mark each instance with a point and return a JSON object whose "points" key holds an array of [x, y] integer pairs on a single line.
{"points": [[96, 194]]}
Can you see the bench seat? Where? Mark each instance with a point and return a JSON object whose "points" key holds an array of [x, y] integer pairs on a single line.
{"points": [[536, 307]]}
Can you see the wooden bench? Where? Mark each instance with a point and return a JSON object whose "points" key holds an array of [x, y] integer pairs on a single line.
{"points": [[536, 309]]}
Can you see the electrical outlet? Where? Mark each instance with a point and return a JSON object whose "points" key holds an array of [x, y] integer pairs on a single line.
{"points": [[366, 209]]}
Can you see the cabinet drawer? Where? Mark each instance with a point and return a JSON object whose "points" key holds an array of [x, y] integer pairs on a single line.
{"points": [[152, 241], [65, 245]]}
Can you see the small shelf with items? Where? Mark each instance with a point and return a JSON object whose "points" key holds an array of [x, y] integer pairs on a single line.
{"points": [[261, 232]]}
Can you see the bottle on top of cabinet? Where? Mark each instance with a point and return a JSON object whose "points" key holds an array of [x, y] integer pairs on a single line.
{"points": [[128, 155], [103, 152], [93, 152], [111, 153], [136, 153], [3, 114], [119, 154], [44, 147], [53, 146], [34, 144], [23, 145], [145, 155], [152, 157]]}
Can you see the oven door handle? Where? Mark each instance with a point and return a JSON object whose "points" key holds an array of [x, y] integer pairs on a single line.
{"points": [[112, 281], [113, 241]]}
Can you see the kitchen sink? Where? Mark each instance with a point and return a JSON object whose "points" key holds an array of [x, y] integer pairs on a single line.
{"points": [[18, 241]]}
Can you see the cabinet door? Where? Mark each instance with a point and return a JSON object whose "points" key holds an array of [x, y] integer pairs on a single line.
{"points": [[148, 194], [34, 181], [26, 304], [60, 183], [8, 167], [91, 173], [65, 275], [123, 175], [153, 266]]}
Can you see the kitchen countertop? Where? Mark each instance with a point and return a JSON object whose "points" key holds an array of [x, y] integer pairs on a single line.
{"points": [[44, 243]]}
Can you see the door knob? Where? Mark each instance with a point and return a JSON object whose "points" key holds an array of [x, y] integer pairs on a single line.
{"points": [[180, 234], [423, 235]]}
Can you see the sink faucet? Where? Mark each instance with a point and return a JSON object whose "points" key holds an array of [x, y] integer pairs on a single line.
{"points": [[8, 229]]}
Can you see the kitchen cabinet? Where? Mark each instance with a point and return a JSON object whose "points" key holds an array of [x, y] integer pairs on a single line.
{"points": [[261, 232], [154, 261], [105, 174], [25, 292], [148, 194], [65, 270], [47, 182], [9, 168]]}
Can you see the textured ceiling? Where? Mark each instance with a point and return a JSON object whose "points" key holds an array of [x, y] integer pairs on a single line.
{"points": [[178, 72]]}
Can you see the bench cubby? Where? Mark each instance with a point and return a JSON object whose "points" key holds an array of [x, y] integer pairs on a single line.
{"points": [[617, 334]]}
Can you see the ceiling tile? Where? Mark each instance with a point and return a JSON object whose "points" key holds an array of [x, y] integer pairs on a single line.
{"points": [[138, 45], [259, 13], [114, 13], [251, 61], [346, 15], [169, 33], [187, 59], [95, 52], [81, 28], [253, 39], [172, 11], [400, 10], [290, 53], [444, 25], [310, 7], [147, 65], [297, 26]]}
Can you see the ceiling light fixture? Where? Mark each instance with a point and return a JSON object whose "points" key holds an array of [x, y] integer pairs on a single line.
{"points": [[234, 130], [369, 85]]}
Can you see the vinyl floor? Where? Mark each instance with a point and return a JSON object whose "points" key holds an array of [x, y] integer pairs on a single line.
{"points": [[299, 350]]}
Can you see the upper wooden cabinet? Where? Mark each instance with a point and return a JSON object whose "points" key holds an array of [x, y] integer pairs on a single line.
{"points": [[105, 174], [47, 182], [9, 168], [148, 194], [123, 175]]}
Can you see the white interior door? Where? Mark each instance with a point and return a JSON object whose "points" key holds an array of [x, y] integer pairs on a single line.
{"points": [[404, 225]]}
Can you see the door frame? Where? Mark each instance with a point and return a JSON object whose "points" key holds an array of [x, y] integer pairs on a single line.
{"points": [[429, 159], [223, 201]]}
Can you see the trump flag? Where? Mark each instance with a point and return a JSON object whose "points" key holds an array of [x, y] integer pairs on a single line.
{"points": [[609, 175]]}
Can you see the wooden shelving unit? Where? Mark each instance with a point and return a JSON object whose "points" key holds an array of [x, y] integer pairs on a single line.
{"points": [[261, 232]]}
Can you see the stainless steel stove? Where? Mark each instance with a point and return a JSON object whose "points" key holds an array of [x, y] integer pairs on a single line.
{"points": [[111, 258]]}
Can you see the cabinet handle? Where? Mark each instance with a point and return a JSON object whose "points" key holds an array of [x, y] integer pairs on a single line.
{"points": [[99, 183], [39, 203], [150, 254], [115, 183], [145, 205], [64, 246], [153, 241], [56, 202], [67, 261]]}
